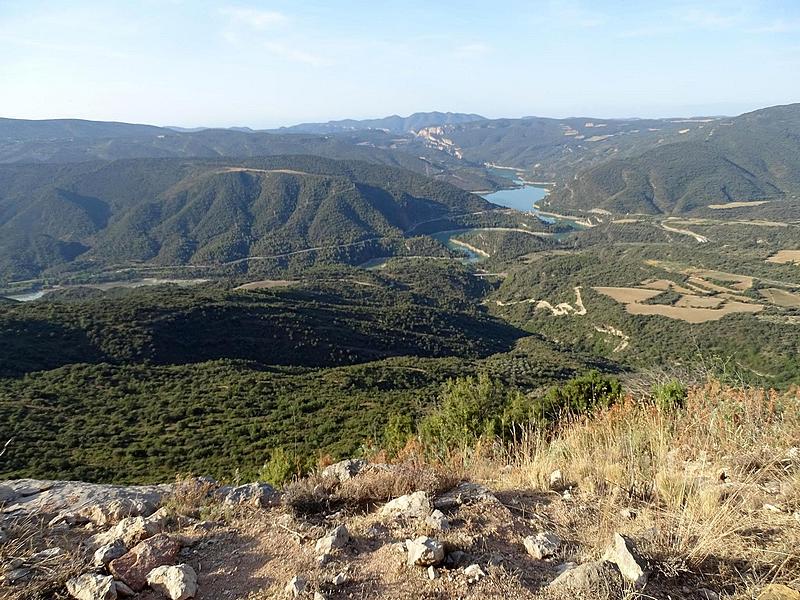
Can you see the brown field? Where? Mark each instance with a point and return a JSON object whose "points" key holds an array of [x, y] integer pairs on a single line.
{"points": [[692, 301], [783, 257], [781, 297], [664, 285], [625, 295], [739, 282], [266, 284], [693, 315], [737, 204]]}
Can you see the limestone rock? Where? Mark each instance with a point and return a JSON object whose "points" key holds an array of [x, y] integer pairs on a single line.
{"points": [[542, 545], [474, 573], [337, 538], [556, 480], [424, 551], [624, 554], [105, 554], [252, 494], [600, 580], [437, 521], [414, 506], [344, 470], [339, 579], [776, 591], [296, 586], [432, 573], [464, 493], [177, 582], [92, 587], [133, 567]]}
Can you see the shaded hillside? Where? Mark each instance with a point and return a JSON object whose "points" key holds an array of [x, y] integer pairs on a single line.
{"points": [[175, 212], [752, 157]]}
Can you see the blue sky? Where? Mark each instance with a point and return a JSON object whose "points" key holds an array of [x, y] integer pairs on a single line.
{"points": [[264, 63]]}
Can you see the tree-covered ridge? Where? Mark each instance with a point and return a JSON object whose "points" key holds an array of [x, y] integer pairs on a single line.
{"points": [[753, 157], [206, 212]]}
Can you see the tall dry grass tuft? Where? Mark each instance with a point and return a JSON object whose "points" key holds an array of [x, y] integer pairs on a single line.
{"points": [[715, 480]]}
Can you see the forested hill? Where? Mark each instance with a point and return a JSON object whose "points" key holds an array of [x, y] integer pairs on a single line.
{"points": [[176, 212], [392, 124], [753, 157], [19, 130]]}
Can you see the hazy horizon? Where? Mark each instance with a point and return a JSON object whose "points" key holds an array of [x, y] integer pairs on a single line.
{"points": [[265, 64]]}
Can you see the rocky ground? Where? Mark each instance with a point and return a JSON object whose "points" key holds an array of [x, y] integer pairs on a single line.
{"points": [[578, 518]]}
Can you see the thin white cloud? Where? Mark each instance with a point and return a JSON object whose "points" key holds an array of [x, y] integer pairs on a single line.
{"points": [[471, 51], [254, 18], [777, 26], [574, 14], [710, 19], [292, 54]]}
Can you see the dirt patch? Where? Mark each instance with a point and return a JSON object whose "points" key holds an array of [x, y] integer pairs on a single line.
{"points": [[781, 297], [691, 301], [266, 284], [625, 295], [783, 257], [665, 285], [693, 315], [737, 204]]}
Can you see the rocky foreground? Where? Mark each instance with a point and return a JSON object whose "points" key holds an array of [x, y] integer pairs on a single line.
{"points": [[327, 537]]}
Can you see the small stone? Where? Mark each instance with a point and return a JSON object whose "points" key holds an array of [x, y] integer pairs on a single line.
{"points": [[134, 567], [318, 596], [432, 573], [413, 506], [556, 480], [707, 594], [437, 521], [323, 559], [344, 470], [424, 551], [464, 493], [105, 554], [542, 545], [337, 538], [474, 573], [92, 587], [177, 582], [296, 586], [623, 553], [17, 574], [45, 555], [252, 494], [339, 579], [600, 579], [123, 590]]}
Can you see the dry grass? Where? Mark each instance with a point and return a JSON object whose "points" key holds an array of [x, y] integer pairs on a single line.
{"points": [[714, 485]]}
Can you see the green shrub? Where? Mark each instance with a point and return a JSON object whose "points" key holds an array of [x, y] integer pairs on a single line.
{"points": [[670, 395], [397, 432], [468, 409], [579, 395], [279, 469]]}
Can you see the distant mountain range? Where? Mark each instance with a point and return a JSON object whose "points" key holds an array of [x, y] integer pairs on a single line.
{"points": [[621, 165], [392, 124], [206, 212]]}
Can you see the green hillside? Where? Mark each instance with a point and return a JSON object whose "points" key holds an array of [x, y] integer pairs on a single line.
{"points": [[206, 212], [753, 157]]}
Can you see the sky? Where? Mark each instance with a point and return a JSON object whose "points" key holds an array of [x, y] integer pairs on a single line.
{"points": [[266, 63]]}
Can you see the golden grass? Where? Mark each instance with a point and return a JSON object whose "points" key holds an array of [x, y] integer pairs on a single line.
{"points": [[781, 297]]}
